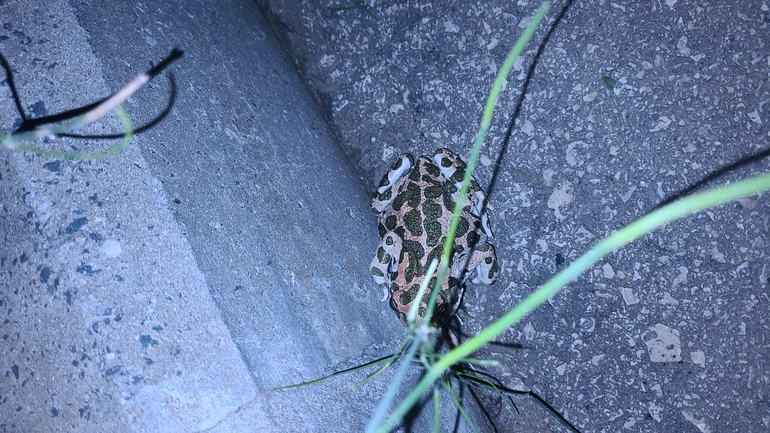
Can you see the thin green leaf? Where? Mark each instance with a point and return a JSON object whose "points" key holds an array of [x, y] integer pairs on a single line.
{"points": [[127, 128], [459, 405], [648, 242], [386, 359], [365, 9], [390, 393], [486, 120], [532, 178], [481, 362], [390, 362], [664, 215]]}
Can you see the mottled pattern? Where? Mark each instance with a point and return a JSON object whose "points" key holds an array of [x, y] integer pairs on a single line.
{"points": [[415, 204]]}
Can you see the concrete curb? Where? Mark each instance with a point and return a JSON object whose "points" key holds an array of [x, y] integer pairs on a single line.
{"points": [[224, 253]]}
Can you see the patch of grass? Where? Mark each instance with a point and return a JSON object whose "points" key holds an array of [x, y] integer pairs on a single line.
{"points": [[644, 225]]}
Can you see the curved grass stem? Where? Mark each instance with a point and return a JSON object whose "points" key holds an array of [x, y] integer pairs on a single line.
{"points": [[664, 215], [120, 147], [486, 121], [390, 394]]}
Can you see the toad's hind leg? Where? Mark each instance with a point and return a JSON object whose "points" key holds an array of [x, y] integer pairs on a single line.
{"points": [[386, 191], [483, 264], [385, 262]]}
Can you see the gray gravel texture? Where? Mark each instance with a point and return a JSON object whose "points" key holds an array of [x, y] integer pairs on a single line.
{"points": [[668, 334], [107, 322]]}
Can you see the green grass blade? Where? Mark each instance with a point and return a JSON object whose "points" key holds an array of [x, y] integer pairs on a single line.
{"points": [[382, 360], [664, 215], [387, 360], [647, 242], [528, 176], [486, 120], [459, 405], [390, 394], [13, 141], [481, 362], [390, 362]]}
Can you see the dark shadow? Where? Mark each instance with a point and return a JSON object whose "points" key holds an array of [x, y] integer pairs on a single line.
{"points": [[482, 380], [414, 413], [498, 343], [524, 87], [476, 380], [488, 416], [443, 340], [709, 178], [458, 415]]}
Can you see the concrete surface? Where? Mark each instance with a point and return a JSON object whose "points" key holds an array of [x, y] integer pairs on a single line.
{"points": [[225, 253], [691, 94]]}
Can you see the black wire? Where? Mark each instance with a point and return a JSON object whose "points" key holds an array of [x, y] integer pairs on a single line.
{"points": [[139, 130], [12, 85], [31, 124]]}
